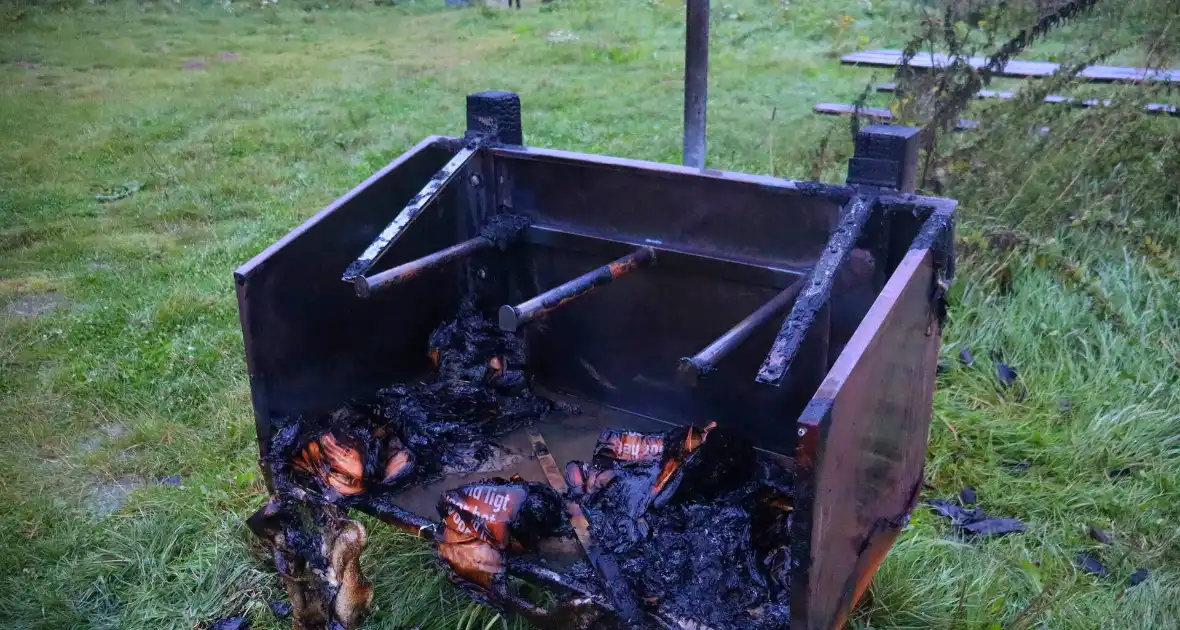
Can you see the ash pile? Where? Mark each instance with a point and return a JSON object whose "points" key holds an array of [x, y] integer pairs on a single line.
{"points": [[682, 529], [697, 523]]}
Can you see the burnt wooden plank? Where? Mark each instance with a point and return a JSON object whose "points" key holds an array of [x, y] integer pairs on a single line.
{"points": [[1013, 69], [1151, 108], [816, 291], [861, 446], [877, 114]]}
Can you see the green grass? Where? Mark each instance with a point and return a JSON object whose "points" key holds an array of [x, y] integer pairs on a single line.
{"points": [[235, 153]]}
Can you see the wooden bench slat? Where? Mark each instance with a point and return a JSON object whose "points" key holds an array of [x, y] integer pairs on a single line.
{"points": [[1015, 68], [1153, 108], [878, 114]]}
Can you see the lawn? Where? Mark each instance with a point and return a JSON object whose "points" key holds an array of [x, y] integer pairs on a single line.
{"points": [[147, 149]]}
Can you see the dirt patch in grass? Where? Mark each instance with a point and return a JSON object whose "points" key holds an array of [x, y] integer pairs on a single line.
{"points": [[36, 304], [107, 498], [107, 432]]}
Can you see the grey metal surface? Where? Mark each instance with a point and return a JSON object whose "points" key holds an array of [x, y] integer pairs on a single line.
{"points": [[696, 81]]}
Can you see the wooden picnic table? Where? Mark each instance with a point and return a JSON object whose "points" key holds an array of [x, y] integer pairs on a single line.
{"points": [[875, 114], [1013, 69], [1150, 108]]}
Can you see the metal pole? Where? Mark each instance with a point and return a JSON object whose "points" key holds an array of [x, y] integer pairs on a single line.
{"points": [[366, 286], [694, 367], [696, 81]]}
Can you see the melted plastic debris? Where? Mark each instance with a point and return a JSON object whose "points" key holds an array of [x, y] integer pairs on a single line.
{"points": [[1091, 565], [968, 496], [363, 453], [483, 521], [316, 551], [231, 623], [1008, 378], [974, 520], [1100, 535]]}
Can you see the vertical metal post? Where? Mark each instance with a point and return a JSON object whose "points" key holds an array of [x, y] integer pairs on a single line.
{"points": [[696, 81]]}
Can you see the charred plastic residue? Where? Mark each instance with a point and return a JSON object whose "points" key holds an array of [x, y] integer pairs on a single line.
{"points": [[697, 520]]}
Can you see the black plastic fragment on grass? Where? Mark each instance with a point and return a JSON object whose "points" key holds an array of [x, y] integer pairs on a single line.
{"points": [[967, 496], [975, 521], [231, 623], [1008, 378], [966, 358], [1091, 565], [1138, 577], [1118, 473], [1020, 467], [1100, 535], [279, 608]]}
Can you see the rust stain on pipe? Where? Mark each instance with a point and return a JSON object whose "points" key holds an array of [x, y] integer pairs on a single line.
{"points": [[513, 317]]}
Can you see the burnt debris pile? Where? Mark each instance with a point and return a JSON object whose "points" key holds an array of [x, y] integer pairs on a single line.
{"points": [[363, 453], [317, 555], [696, 520], [685, 528], [413, 433]]}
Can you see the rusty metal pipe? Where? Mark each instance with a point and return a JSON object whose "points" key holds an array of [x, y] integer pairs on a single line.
{"points": [[513, 317], [702, 363], [401, 273]]}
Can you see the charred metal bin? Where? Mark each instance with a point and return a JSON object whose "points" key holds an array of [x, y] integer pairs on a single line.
{"points": [[804, 317]]}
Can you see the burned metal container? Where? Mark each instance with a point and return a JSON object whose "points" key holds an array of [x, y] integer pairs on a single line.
{"points": [[802, 317]]}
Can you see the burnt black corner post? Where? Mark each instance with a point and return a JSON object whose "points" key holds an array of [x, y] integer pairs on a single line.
{"points": [[494, 117], [696, 81], [886, 156]]}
